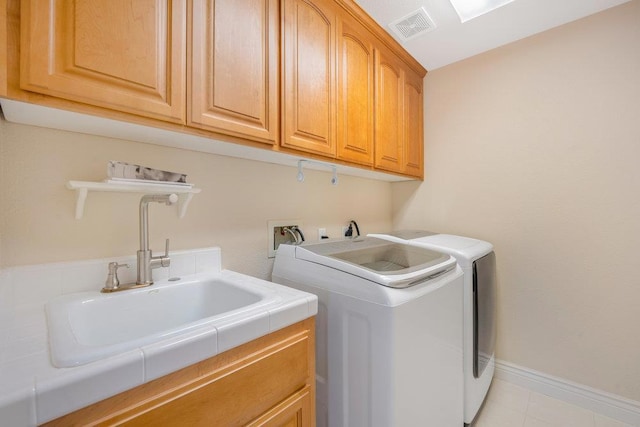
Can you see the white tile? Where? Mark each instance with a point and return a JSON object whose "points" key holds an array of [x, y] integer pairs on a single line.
{"points": [[18, 374], [23, 333], [158, 274], [312, 300], [557, 412], [209, 260], [496, 415], [235, 332], [23, 347], [36, 284], [165, 357], [73, 388], [288, 314], [182, 264], [23, 322], [89, 276], [509, 395], [18, 407]]}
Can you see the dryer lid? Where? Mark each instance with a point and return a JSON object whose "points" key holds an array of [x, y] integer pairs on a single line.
{"points": [[386, 263]]}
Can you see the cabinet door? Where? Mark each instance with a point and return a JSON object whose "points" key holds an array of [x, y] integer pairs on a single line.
{"points": [[413, 126], [127, 55], [399, 129], [388, 112], [309, 81], [234, 68], [355, 93], [296, 411]]}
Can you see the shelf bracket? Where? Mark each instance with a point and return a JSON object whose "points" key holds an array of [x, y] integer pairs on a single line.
{"points": [[81, 198]]}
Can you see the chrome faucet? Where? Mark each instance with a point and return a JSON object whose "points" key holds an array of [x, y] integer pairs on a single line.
{"points": [[146, 261]]}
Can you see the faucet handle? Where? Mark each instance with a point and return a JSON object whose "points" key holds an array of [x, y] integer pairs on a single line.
{"points": [[165, 261]]}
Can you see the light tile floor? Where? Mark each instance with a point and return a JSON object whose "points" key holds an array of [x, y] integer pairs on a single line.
{"points": [[509, 405]]}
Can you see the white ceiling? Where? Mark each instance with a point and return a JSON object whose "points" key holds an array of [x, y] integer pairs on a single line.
{"points": [[452, 41]]}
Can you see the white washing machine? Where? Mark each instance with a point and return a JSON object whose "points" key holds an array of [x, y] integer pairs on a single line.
{"points": [[477, 259], [388, 334]]}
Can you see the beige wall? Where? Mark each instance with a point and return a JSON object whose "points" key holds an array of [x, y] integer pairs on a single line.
{"points": [[238, 197], [536, 147]]}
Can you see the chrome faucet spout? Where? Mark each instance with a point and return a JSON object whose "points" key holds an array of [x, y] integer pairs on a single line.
{"points": [[167, 199], [146, 261]]}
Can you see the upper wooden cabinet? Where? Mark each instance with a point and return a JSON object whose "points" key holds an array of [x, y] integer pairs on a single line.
{"points": [[127, 55], [398, 116], [413, 139], [389, 106], [314, 78], [355, 92], [308, 75], [233, 67]]}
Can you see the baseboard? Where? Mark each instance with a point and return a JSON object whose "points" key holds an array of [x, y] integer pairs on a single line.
{"points": [[601, 402]]}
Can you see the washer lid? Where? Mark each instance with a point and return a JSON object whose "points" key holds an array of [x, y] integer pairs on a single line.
{"points": [[464, 249], [386, 263], [407, 234]]}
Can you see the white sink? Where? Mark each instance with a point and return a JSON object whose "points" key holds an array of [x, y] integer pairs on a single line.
{"points": [[89, 326]]}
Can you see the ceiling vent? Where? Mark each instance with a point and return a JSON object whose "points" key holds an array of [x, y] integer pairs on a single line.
{"points": [[412, 25]]}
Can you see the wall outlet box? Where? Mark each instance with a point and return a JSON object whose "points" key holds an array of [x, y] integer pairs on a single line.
{"points": [[276, 236]]}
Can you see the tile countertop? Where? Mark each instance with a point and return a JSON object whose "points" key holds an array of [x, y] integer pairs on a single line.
{"points": [[33, 391]]}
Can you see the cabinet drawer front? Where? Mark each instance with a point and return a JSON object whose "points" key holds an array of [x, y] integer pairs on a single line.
{"points": [[296, 411], [126, 55], [234, 395]]}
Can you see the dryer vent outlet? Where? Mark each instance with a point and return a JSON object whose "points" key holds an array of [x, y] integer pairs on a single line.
{"points": [[413, 25]]}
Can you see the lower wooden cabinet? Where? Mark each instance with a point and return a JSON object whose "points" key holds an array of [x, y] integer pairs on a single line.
{"points": [[293, 412], [267, 382]]}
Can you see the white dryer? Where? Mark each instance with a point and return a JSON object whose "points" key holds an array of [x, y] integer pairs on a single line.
{"points": [[389, 331], [477, 259]]}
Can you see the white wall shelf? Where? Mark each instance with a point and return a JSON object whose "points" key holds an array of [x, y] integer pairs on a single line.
{"points": [[82, 188]]}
